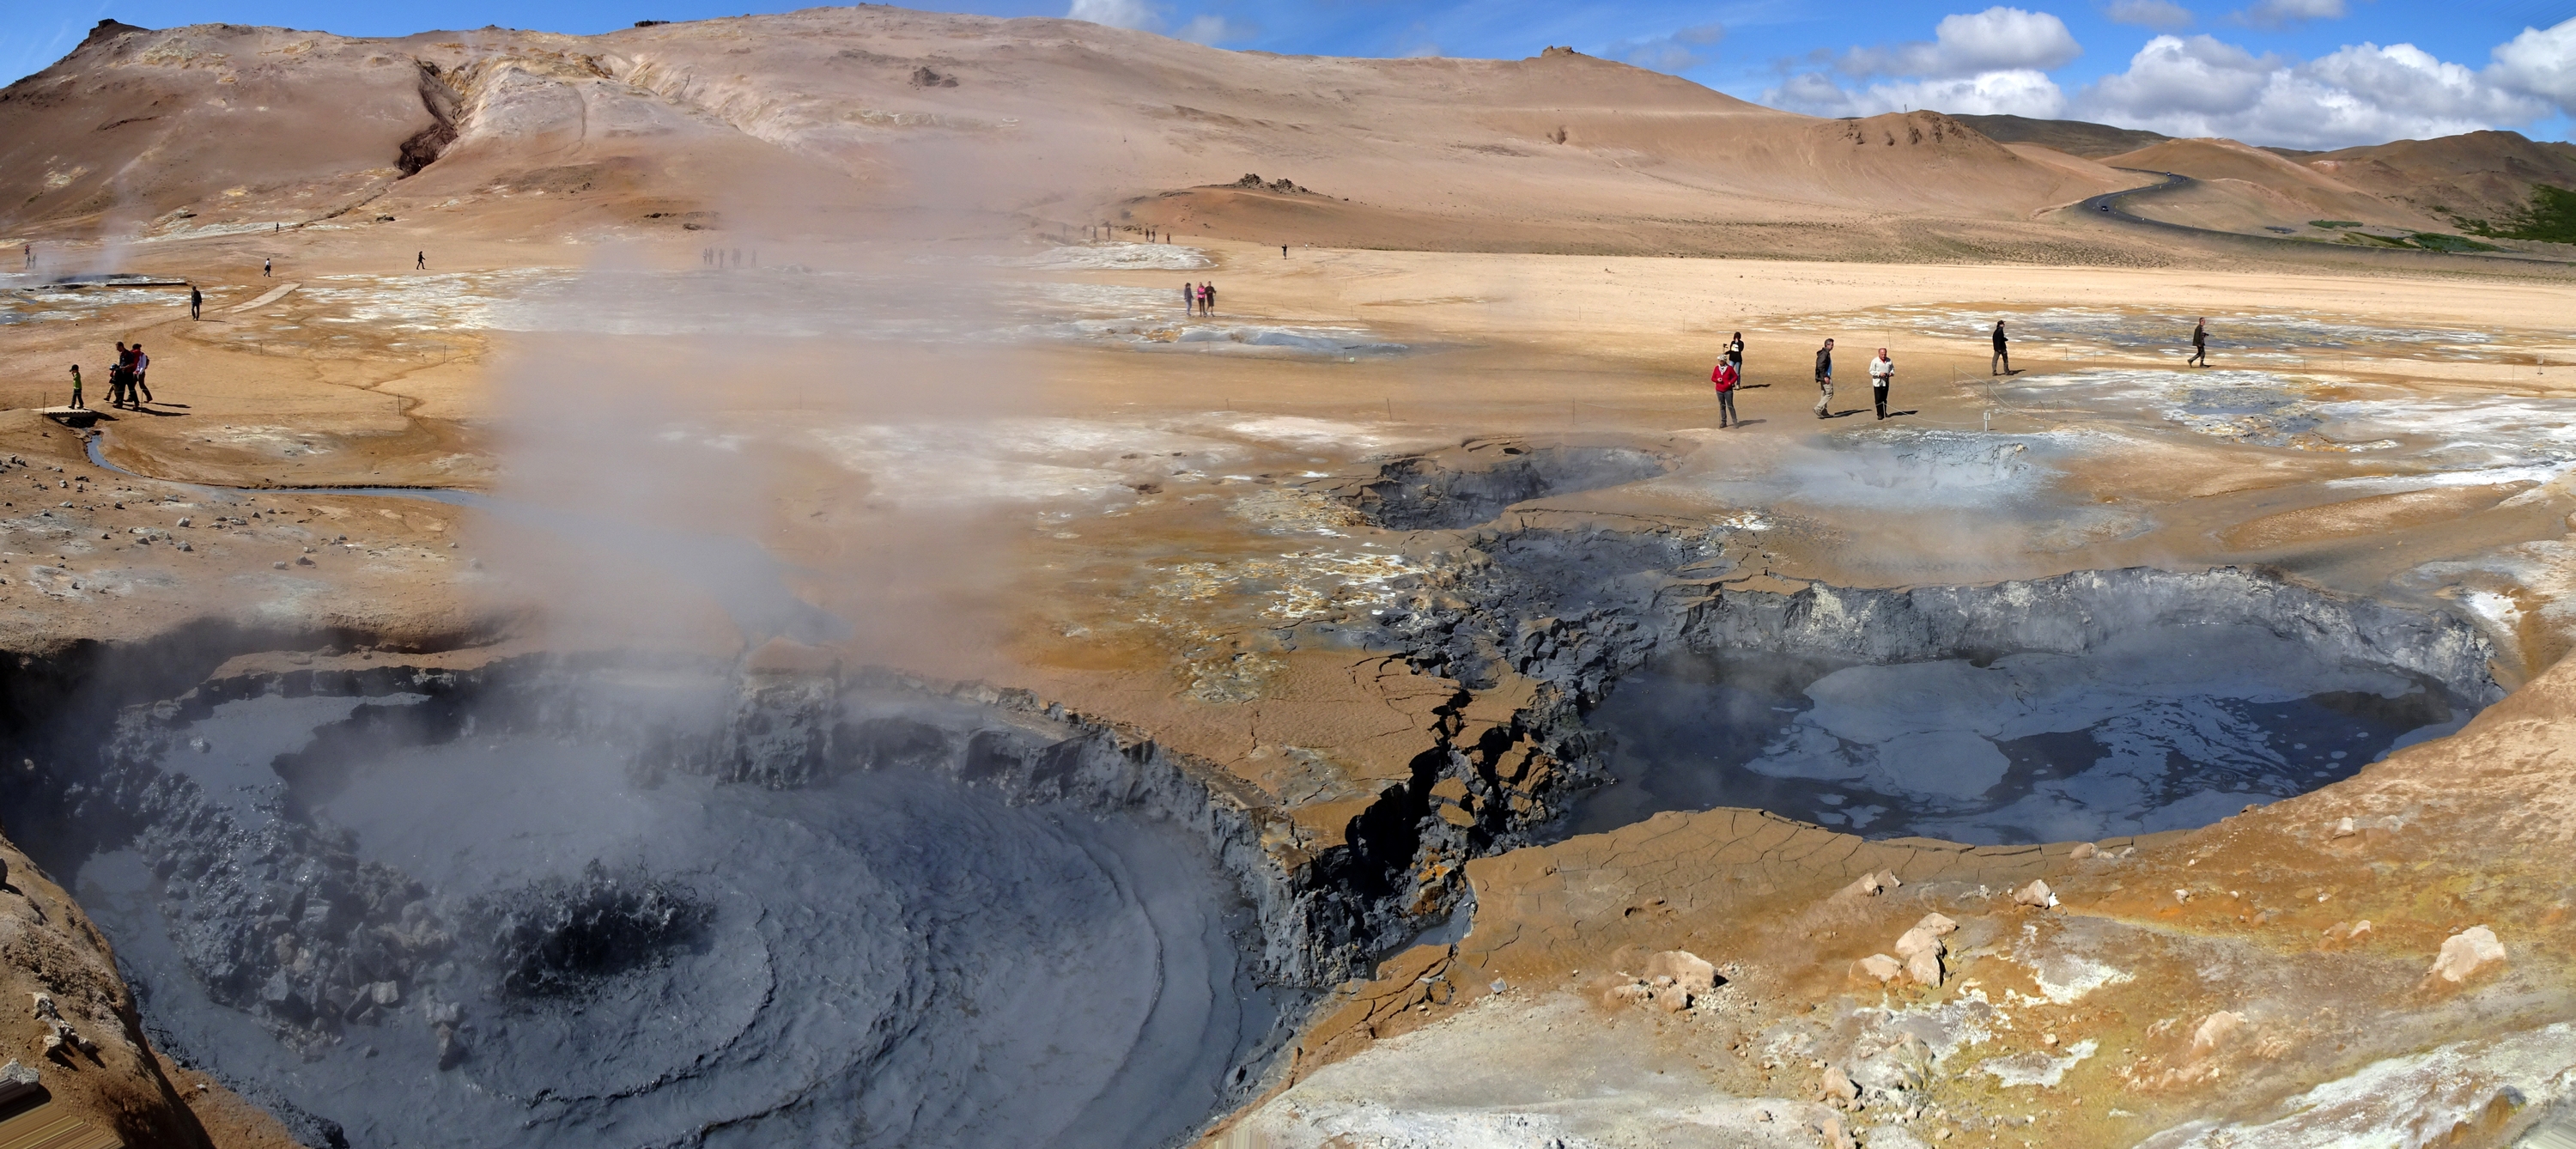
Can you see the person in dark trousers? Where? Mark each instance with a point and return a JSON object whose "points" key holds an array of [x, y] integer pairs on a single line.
{"points": [[76, 387], [2002, 364], [2199, 342], [1211, 298], [116, 375], [420, 261], [264, 266], [196, 301], [1825, 380], [1725, 378], [1882, 371], [142, 369], [1283, 251]]}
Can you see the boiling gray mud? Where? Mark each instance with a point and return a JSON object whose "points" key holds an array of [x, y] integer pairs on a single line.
{"points": [[397, 923], [2159, 727]]}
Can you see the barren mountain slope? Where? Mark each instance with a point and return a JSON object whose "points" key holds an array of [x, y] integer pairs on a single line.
{"points": [[2248, 186], [1046, 119], [2481, 175]]}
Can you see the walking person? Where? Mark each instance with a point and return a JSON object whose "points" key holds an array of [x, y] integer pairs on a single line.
{"points": [[118, 374], [420, 261], [264, 267], [76, 388], [1882, 371], [1825, 380], [142, 368], [2002, 364], [1190, 298], [196, 301], [1725, 378], [2199, 342]]}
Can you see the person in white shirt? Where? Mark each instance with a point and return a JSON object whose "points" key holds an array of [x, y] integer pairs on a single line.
{"points": [[1882, 371]]}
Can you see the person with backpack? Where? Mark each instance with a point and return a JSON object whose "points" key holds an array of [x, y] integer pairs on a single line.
{"points": [[1726, 377]]}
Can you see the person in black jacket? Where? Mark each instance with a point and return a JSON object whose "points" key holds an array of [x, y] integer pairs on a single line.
{"points": [[2199, 342], [1825, 380], [2003, 357]]}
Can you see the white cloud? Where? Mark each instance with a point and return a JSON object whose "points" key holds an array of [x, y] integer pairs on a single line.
{"points": [[1676, 51], [2014, 92], [1210, 28], [2359, 94], [1980, 63], [1965, 44], [1116, 13], [2161, 15], [2275, 13], [2539, 63]]}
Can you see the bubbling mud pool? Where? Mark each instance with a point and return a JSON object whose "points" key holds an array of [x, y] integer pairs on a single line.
{"points": [[647, 909]]}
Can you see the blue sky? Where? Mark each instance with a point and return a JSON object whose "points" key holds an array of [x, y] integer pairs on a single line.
{"points": [[2299, 73]]}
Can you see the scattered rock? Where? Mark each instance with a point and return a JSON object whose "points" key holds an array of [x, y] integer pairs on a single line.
{"points": [[2215, 1029], [2036, 894], [923, 77], [1879, 966], [2082, 851], [2467, 952], [2344, 829], [1837, 1085], [1687, 970], [1920, 948], [1832, 1131], [1870, 885]]}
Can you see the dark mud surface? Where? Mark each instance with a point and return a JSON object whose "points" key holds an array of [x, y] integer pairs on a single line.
{"points": [[487, 936], [2160, 728]]}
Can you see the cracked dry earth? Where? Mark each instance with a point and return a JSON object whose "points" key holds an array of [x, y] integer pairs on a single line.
{"points": [[1562, 781]]}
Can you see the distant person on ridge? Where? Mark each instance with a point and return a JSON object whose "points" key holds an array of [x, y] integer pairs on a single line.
{"points": [[76, 387], [2002, 364], [1825, 380], [2199, 342], [196, 301], [1725, 378], [1882, 371]]}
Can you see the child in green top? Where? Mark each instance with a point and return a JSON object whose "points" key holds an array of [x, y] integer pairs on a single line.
{"points": [[76, 396]]}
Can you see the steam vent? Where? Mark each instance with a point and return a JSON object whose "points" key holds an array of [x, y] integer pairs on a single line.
{"points": [[856, 577]]}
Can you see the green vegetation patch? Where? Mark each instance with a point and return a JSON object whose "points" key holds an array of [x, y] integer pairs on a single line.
{"points": [[2551, 218], [2431, 241], [2334, 223]]}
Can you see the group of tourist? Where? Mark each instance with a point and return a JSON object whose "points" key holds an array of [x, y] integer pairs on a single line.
{"points": [[124, 381], [1729, 374], [1199, 298]]}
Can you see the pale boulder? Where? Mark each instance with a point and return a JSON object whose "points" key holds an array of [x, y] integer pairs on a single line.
{"points": [[2467, 952], [2036, 894], [1920, 948]]}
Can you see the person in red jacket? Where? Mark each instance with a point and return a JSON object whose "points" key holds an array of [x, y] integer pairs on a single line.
{"points": [[1725, 377]]}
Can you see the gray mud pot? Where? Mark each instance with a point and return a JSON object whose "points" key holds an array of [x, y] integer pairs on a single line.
{"points": [[2160, 728], [648, 912], [2087, 705]]}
